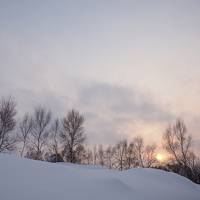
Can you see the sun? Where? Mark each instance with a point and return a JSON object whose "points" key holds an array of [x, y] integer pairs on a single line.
{"points": [[160, 157]]}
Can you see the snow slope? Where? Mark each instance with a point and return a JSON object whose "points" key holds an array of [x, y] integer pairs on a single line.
{"points": [[23, 179]]}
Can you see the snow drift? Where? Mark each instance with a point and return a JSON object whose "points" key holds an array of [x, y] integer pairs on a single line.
{"points": [[23, 179]]}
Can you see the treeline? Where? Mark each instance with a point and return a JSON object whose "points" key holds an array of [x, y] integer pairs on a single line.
{"points": [[40, 136]]}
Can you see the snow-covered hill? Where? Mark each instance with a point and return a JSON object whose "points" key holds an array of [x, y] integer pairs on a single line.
{"points": [[23, 179]]}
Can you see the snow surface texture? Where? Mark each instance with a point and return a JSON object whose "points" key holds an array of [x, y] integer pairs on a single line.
{"points": [[23, 179]]}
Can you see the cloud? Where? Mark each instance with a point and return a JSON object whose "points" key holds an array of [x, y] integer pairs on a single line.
{"points": [[115, 112], [122, 102]]}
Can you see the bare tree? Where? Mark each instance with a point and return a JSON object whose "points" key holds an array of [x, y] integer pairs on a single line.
{"points": [[7, 124], [143, 156], [72, 134], [109, 156], [87, 156], [25, 127], [80, 154], [95, 155], [149, 155], [39, 132], [101, 156], [131, 160], [195, 169], [178, 143], [54, 140], [139, 150], [120, 151]]}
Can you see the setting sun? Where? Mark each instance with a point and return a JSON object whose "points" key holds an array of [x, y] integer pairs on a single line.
{"points": [[160, 157]]}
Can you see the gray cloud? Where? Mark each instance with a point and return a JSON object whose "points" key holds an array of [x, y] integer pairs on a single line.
{"points": [[122, 102], [109, 109]]}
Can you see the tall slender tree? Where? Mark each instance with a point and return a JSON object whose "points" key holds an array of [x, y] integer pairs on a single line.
{"points": [[178, 143], [72, 134], [7, 124], [25, 128], [39, 132]]}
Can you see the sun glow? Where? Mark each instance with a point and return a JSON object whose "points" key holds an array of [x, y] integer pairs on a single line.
{"points": [[160, 157]]}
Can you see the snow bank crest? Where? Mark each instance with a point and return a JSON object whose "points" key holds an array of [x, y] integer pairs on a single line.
{"points": [[23, 179]]}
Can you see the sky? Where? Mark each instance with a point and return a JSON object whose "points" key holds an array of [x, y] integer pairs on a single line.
{"points": [[131, 67]]}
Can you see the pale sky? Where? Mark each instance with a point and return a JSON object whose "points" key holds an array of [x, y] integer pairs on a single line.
{"points": [[131, 67]]}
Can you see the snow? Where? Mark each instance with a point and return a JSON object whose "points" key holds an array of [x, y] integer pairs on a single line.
{"points": [[23, 179]]}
